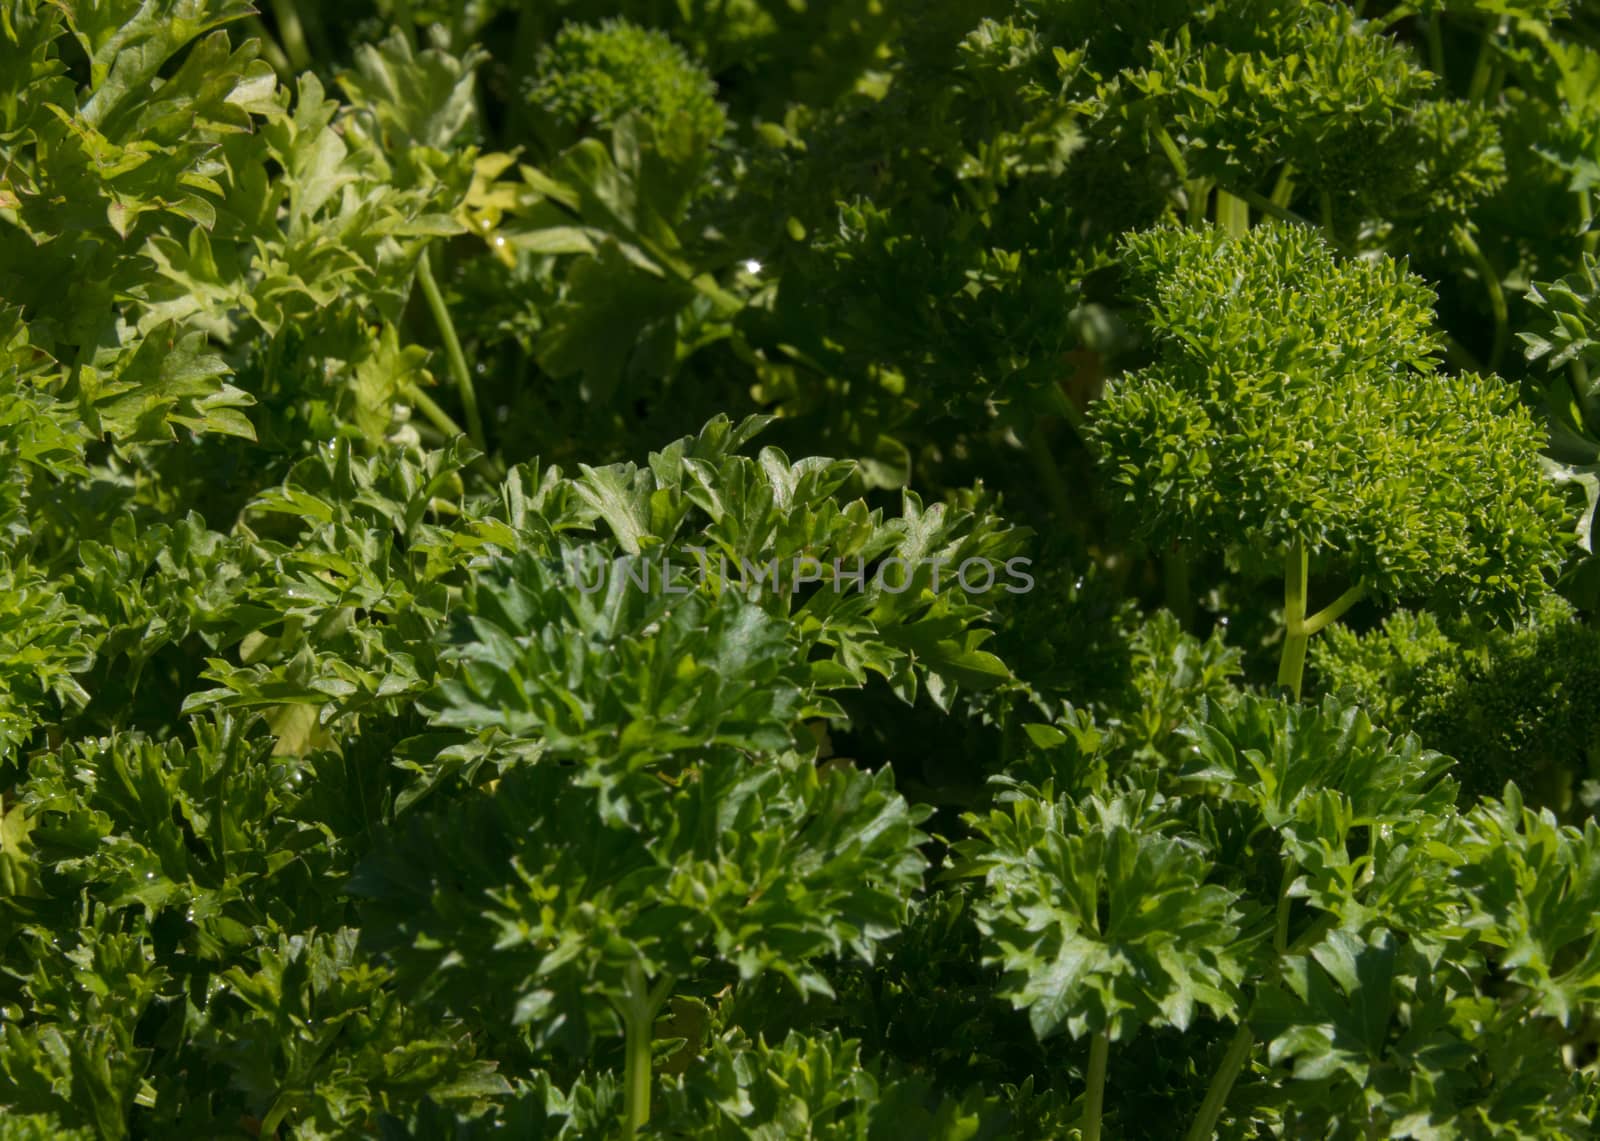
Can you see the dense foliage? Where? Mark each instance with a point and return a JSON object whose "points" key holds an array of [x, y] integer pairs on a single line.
{"points": [[776, 568]]}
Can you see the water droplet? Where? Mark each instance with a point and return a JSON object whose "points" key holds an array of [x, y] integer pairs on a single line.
{"points": [[752, 266], [149, 875], [499, 242]]}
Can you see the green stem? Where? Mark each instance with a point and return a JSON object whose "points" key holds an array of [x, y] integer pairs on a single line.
{"points": [[639, 1006], [1497, 82], [1404, 11], [1198, 191], [1586, 215], [1482, 70], [1195, 190], [637, 1091], [437, 416], [446, 424], [1292, 663], [1170, 149], [291, 33], [1435, 45], [1280, 934], [1497, 297], [1233, 213], [1335, 610], [274, 363], [1205, 1121], [1298, 627], [1283, 189], [274, 1116], [1269, 207], [453, 354], [270, 51], [1095, 1096]]}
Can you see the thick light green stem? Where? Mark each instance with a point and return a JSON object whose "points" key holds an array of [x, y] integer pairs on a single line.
{"points": [[637, 1095], [1199, 192], [452, 351], [1268, 207], [1586, 216], [1094, 1099], [1233, 214], [1298, 627], [1205, 1121], [639, 1006], [1283, 189], [1292, 663]]}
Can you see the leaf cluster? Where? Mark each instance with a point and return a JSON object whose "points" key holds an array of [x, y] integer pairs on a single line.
{"points": [[1294, 399]]}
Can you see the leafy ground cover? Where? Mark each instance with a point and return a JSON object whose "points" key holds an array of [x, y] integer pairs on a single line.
{"points": [[779, 569]]}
